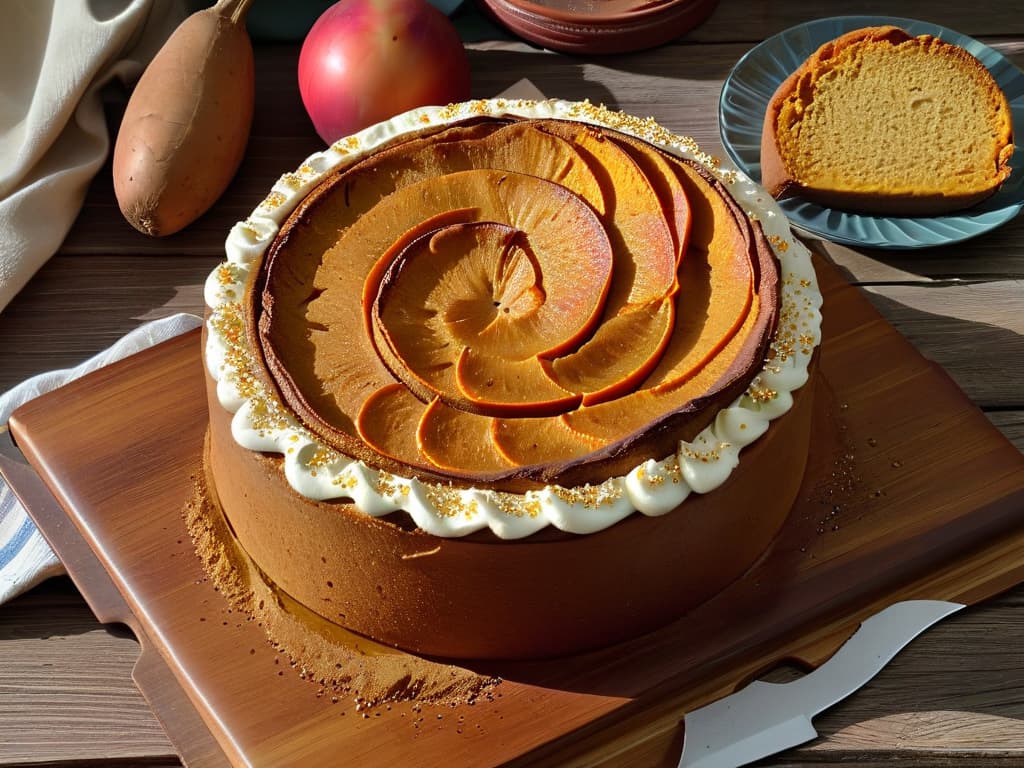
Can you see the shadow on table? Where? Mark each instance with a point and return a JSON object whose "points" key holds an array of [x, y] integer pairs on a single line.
{"points": [[54, 608], [954, 686]]}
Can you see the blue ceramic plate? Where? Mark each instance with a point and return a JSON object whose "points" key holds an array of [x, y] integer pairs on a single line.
{"points": [[752, 83]]}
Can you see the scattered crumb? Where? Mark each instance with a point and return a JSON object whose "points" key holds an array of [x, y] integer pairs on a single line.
{"points": [[341, 663]]}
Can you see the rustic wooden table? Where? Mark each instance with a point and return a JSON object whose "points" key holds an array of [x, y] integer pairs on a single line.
{"points": [[956, 696]]}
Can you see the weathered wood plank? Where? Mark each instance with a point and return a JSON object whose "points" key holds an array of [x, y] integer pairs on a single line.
{"points": [[1011, 424], [945, 699], [66, 692], [957, 674], [974, 331], [76, 307], [738, 20], [996, 255]]}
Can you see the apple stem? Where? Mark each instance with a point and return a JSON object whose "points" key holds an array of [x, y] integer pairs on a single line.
{"points": [[235, 10]]}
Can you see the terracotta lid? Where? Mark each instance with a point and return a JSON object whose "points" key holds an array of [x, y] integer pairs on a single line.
{"points": [[599, 26]]}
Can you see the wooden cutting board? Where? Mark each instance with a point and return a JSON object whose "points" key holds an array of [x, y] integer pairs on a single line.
{"points": [[909, 492]]}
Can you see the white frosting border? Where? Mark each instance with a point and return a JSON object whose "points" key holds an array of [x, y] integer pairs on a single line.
{"points": [[652, 488]]}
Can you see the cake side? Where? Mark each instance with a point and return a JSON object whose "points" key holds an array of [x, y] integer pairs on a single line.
{"points": [[480, 597], [879, 121]]}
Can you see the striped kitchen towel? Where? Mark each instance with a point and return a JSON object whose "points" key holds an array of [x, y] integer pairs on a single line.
{"points": [[25, 557]]}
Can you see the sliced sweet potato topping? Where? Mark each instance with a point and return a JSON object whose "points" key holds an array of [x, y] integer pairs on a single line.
{"points": [[523, 148], [620, 355], [541, 254], [371, 285], [666, 185], [716, 313], [458, 441], [716, 282], [387, 422], [616, 419], [503, 387], [524, 442], [645, 255], [486, 285], [305, 268], [500, 272]]}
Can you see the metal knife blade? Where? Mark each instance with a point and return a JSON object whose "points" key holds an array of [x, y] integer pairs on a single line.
{"points": [[765, 718]]}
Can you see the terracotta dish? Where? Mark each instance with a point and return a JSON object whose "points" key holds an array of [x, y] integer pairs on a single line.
{"points": [[594, 26]]}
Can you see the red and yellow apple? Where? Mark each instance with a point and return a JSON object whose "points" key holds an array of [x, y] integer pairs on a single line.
{"points": [[364, 61]]}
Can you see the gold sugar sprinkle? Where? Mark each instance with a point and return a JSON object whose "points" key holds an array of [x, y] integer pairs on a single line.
{"points": [[515, 506], [762, 394], [386, 483], [273, 200], [322, 457], [228, 274], [346, 145], [346, 481], [291, 180], [448, 502], [712, 454], [590, 496], [654, 479]]}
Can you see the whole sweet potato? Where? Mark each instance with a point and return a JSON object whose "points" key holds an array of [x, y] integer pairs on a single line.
{"points": [[187, 122]]}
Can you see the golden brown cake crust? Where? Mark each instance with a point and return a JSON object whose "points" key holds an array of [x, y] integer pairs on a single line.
{"points": [[781, 179]]}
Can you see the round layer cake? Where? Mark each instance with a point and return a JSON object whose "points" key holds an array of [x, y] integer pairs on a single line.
{"points": [[480, 378]]}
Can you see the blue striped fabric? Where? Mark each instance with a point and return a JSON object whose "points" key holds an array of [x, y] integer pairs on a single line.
{"points": [[22, 527], [25, 557]]}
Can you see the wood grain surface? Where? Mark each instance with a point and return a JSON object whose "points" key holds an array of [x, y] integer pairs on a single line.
{"points": [[955, 697]]}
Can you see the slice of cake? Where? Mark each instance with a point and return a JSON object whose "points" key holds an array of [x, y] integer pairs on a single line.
{"points": [[879, 121], [480, 377]]}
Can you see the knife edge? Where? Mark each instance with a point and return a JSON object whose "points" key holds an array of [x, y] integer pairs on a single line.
{"points": [[764, 718]]}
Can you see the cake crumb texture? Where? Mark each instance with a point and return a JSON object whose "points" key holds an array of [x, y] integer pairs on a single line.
{"points": [[880, 121]]}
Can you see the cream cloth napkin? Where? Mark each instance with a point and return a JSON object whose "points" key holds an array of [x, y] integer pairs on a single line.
{"points": [[55, 57], [25, 557]]}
